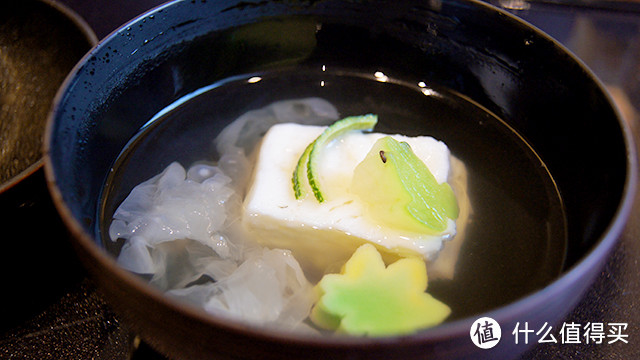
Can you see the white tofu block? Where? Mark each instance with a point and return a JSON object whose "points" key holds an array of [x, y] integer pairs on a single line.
{"points": [[324, 235]]}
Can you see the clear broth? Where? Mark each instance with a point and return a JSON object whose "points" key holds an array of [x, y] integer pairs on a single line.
{"points": [[516, 239]]}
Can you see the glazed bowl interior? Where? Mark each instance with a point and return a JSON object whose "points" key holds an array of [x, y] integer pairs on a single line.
{"points": [[463, 49]]}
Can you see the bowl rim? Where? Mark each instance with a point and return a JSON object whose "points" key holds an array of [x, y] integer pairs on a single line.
{"points": [[590, 259]]}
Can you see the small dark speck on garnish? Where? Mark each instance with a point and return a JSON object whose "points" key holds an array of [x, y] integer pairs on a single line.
{"points": [[383, 157]]}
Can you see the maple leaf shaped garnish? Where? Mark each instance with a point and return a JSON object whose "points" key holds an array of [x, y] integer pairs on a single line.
{"points": [[368, 299]]}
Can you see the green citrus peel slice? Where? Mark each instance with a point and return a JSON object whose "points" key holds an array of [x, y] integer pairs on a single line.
{"points": [[300, 173], [308, 161], [400, 191]]}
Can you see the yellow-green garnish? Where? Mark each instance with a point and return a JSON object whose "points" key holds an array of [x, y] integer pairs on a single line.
{"points": [[400, 191], [369, 299], [309, 157]]}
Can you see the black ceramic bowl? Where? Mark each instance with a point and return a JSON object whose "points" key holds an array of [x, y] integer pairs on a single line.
{"points": [[41, 42], [502, 64]]}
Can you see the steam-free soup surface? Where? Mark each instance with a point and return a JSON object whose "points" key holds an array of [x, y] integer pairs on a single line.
{"points": [[515, 237]]}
